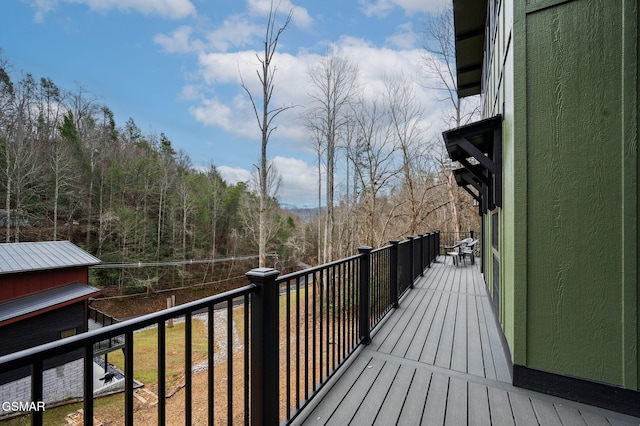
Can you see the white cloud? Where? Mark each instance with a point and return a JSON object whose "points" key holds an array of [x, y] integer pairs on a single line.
{"points": [[234, 113], [233, 175], [179, 41], [236, 31], [379, 8], [43, 7], [383, 7], [300, 18], [172, 9], [190, 92], [429, 6], [404, 38], [212, 112], [224, 68], [299, 180]]}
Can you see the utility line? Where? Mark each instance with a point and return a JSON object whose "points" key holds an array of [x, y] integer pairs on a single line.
{"points": [[124, 296], [141, 264]]}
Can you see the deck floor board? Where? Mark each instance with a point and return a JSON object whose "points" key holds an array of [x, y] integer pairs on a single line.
{"points": [[438, 360], [392, 406], [413, 406]]}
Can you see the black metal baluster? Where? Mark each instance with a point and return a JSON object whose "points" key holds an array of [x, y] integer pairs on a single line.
{"points": [[230, 361], [187, 369], [210, 362], [88, 383], [298, 343], [162, 371], [36, 391], [247, 348], [128, 378], [288, 348]]}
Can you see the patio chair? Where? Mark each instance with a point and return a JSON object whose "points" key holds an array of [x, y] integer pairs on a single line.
{"points": [[469, 249], [455, 252]]}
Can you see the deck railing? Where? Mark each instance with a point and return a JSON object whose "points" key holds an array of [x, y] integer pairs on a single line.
{"points": [[104, 320], [292, 333], [325, 321], [235, 352]]}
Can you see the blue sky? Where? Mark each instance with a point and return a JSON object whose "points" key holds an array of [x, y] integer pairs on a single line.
{"points": [[174, 66]]}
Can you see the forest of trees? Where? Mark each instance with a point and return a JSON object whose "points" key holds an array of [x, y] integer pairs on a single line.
{"points": [[69, 171]]}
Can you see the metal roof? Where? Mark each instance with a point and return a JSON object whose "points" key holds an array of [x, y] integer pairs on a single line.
{"points": [[25, 257], [46, 299], [469, 19]]}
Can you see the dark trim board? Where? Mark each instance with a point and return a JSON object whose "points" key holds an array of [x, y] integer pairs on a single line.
{"points": [[506, 351], [597, 394]]}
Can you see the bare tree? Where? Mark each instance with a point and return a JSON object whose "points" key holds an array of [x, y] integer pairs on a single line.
{"points": [[318, 145], [405, 115], [265, 116], [214, 196], [440, 68], [334, 85], [85, 109], [374, 156], [7, 127], [186, 209], [21, 165], [61, 163]]}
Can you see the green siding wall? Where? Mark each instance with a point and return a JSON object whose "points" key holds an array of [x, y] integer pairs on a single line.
{"points": [[575, 201], [567, 74], [574, 216]]}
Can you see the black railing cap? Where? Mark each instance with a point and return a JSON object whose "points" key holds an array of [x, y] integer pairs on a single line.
{"points": [[262, 272]]}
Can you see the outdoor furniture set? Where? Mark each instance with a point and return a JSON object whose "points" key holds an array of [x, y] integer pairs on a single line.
{"points": [[461, 250]]}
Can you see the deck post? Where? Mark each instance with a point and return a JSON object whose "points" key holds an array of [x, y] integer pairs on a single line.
{"points": [[422, 238], [412, 273], [393, 273], [365, 299], [265, 344], [430, 236]]}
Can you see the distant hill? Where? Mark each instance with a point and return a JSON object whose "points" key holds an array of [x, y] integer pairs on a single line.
{"points": [[305, 213]]}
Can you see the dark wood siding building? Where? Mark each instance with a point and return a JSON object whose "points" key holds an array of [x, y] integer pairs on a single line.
{"points": [[43, 296]]}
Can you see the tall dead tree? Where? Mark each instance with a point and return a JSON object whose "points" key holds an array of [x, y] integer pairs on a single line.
{"points": [[334, 85], [265, 116]]}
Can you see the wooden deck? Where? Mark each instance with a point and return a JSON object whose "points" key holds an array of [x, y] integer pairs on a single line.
{"points": [[439, 360]]}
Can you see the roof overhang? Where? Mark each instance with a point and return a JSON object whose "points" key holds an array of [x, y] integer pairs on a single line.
{"points": [[478, 148], [42, 256], [469, 20], [38, 303]]}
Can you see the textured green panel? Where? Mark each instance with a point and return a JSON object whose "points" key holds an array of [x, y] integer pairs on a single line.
{"points": [[574, 196], [509, 212], [630, 103]]}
